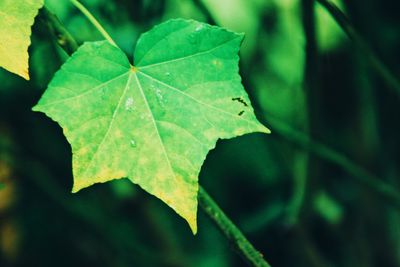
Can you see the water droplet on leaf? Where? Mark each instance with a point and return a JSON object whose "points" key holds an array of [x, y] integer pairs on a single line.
{"points": [[199, 27], [160, 98], [159, 95], [133, 143], [129, 105]]}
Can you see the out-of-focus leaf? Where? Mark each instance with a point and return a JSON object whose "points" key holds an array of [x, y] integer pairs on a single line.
{"points": [[329, 33], [238, 15], [17, 17], [280, 82], [328, 208]]}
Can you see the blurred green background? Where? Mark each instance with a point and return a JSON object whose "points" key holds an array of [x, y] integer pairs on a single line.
{"points": [[296, 207]]}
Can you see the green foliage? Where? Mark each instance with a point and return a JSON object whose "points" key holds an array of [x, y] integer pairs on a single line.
{"points": [[156, 121], [283, 96], [329, 34], [16, 20], [298, 213], [328, 208]]}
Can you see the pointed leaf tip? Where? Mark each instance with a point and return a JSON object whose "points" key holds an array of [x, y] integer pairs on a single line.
{"points": [[156, 124]]}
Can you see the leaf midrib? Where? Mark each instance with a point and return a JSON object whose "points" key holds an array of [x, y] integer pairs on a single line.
{"points": [[154, 124], [111, 121]]}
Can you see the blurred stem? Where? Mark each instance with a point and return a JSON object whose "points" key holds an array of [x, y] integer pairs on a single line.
{"points": [[296, 201], [361, 44], [93, 20], [311, 65], [231, 232], [229, 229], [301, 163], [61, 35], [203, 9], [381, 188]]}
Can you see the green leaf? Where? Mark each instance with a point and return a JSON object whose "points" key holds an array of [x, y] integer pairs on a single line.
{"points": [[153, 123], [17, 17]]}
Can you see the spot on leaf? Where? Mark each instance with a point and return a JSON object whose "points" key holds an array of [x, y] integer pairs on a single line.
{"points": [[240, 100], [180, 109]]}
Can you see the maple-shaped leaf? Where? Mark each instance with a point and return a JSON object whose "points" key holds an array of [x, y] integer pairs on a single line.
{"points": [[153, 123], [16, 20]]}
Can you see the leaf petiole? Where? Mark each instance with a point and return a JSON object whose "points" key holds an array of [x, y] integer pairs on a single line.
{"points": [[94, 21]]}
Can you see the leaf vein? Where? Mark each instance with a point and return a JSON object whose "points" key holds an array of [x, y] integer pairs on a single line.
{"points": [[86, 92], [189, 56], [155, 125], [196, 100], [110, 124]]}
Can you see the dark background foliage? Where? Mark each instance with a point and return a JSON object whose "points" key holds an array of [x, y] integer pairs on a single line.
{"points": [[297, 208]]}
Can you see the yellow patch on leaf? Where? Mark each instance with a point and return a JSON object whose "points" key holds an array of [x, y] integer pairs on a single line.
{"points": [[17, 18]]}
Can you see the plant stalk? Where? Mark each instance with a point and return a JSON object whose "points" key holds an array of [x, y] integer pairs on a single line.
{"points": [[302, 177], [203, 9], [361, 175], [230, 230], [343, 21], [60, 34], [93, 20]]}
